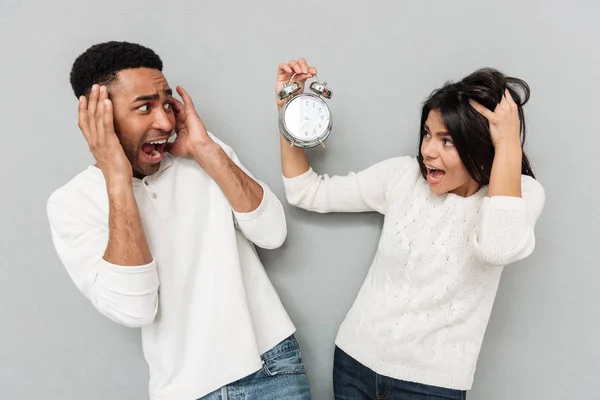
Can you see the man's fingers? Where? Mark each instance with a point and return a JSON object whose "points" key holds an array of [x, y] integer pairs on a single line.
{"points": [[82, 116], [100, 114], [91, 113], [178, 106], [188, 104], [93, 101], [107, 119]]}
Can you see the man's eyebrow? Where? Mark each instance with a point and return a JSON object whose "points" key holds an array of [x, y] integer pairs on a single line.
{"points": [[153, 97]]}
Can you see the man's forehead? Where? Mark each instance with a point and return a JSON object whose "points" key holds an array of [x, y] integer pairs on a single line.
{"points": [[140, 82]]}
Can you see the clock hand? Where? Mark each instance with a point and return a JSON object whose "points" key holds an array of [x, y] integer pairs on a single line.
{"points": [[305, 120]]}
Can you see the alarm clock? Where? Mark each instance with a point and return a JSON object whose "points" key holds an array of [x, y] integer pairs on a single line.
{"points": [[305, 118]]}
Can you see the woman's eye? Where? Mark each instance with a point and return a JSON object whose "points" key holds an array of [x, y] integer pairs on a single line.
{"points": [[448, 143], [145, 107], [427, 135], [168, 106]]}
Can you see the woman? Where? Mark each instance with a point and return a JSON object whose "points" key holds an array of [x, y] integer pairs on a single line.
{"points": [[455, 215]]}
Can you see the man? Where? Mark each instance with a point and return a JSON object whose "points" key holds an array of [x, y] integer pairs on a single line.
{"points": [[159, 234]]}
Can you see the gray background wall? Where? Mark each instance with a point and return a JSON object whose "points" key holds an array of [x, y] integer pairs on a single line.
{"points": [[381, 59]]}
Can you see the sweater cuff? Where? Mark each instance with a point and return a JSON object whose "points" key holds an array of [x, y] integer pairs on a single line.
{"points": [[136, 269], [509, 203], [126, 280], [239, 216], [299, 181]]}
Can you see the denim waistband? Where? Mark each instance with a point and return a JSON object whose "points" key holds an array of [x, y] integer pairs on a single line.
{"points": [[288, 344]]}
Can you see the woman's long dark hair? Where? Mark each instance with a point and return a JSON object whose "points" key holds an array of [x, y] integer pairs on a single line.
{"points": [[470, 130]]}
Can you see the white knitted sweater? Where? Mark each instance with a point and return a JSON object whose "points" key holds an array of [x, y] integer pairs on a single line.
{"points": [[423, 308]]}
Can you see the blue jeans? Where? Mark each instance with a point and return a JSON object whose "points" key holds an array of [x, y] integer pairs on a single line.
{"points": [[354, 381], [283, 376]]}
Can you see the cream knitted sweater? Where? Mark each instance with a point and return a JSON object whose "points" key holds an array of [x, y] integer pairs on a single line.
{"points": [[423, 308]]}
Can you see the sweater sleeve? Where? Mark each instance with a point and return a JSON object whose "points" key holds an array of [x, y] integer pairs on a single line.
{"points": [[506, 228], [266, 225], [128, 295], [367, 190]]}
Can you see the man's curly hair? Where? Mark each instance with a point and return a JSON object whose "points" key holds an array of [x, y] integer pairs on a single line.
{"points": [[101, 63]]}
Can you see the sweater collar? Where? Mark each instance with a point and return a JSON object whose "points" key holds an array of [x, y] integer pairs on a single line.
{"points": [[165, 163]]}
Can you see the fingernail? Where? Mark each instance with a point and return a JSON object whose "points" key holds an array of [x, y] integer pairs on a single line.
{"points": [[94, 87], [102, 89], [106, 102], [81, 98]]}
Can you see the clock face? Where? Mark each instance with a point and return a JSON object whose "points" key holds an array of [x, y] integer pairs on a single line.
{"points": [[306, 117]]}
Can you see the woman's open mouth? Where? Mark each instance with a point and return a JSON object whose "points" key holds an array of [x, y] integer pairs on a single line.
{"points": [[434, 175]]}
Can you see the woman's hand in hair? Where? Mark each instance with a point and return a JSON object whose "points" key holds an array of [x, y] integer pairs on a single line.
{"points": [[505, 131], [505, 126]]}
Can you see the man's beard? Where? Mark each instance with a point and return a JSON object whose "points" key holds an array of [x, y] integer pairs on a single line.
{"points": [[132, 151]]}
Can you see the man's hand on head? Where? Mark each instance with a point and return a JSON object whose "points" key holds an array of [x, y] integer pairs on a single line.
{"points": [[96, 124]]}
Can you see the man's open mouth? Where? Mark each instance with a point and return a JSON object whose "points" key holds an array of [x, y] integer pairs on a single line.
{"points": [[153, 149]]}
